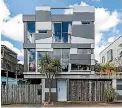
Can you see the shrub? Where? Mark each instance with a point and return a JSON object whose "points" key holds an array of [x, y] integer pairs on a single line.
{"points": [[110, 94]]}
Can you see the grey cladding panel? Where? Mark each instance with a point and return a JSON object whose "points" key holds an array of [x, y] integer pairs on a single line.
{"points": [[61, 45], [61, 18], [43, 16], [83, 16], [43, 35], [83, 45], [28, 17], [80, 56], [53, 96], [83, 31], [83, 62], [68, 45], [29, 45]]}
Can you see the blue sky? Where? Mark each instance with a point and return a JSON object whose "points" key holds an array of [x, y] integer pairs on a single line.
{"points": [[114, 29]]}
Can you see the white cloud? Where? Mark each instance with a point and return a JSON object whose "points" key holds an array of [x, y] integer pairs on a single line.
{"points": [[104, 21], [4, 11], [21, 62], [111, 39], [14, 28], [13, 48]]}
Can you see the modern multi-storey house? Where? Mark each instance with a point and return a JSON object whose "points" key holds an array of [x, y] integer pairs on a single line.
{"points": [[10, 69], [69, 38]]}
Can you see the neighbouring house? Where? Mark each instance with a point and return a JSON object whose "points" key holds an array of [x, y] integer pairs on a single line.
{"points": [[113, 54], [11, 71], [70, 38]]}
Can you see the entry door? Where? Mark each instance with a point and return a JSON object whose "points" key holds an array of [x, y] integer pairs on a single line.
{"points": [[62, 90]]}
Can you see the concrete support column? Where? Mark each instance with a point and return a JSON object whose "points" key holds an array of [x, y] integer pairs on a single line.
{"points": [[114, 83], [43, 90]]}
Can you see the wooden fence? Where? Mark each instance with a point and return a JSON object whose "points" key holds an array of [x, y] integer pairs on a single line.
{"points": [[21, 94], [88, 90]]}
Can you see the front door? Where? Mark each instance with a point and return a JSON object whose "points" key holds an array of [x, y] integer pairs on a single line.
{"points": [[62, 90]]}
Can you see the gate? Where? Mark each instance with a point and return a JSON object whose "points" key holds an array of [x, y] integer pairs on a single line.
{"points": [[87, 90], [21, 94]]}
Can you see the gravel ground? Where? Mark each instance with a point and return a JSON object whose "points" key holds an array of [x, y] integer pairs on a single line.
{"points": [[64, 104]]}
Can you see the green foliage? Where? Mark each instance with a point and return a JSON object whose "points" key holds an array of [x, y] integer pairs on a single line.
{"points": [[110, 94], [47, 64], [109, 66]]}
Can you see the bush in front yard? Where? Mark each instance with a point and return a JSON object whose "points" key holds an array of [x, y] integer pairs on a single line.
{"points": [[110, 94]]}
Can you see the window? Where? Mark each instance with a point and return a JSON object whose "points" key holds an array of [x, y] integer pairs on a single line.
{"points": [[74, 67], [85, 22], [42, 31], [85, 51], [79, 67], [30, 31], [31, 60], [110, 55], [103, 59], [31, 26], [63, 56], [62, 32], [41, 54]]}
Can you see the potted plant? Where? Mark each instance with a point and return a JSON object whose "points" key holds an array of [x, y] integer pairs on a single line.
{"points": [[110, 95]]}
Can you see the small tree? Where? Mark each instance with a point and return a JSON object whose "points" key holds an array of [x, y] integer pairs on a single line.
{"points": [[49, 67]]}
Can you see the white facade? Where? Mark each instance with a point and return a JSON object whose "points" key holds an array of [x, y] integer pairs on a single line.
{"points": [[116, 49]]}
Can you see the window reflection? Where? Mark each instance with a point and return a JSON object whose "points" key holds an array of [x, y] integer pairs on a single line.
{"points": [[79, 67], [62, 32], [63, 56], [41, 54], [30, 31], [32, 60]]}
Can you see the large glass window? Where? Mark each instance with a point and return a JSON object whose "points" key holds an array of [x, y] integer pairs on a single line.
{"points": [[62, 32], [30, 31], [41, 54], [84, 51], [63, 56], [32, 60], [79, 67]]}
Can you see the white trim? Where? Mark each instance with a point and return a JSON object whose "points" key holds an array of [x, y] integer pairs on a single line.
{"points": [[73, 51], [46, 49], [43, 46], [92, 45], [92, 61], [44, 8], [45, 41], [81, 40], [43, 25], [52, 89], [76, 23]]}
